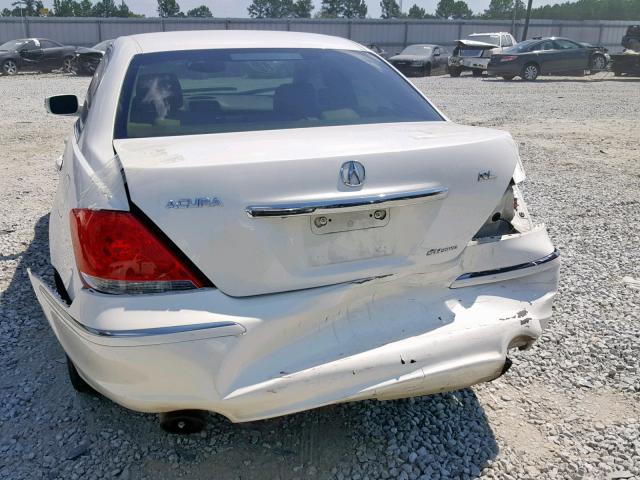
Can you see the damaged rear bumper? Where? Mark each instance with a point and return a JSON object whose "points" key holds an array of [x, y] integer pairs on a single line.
{"points": [[469, 63], [258, 357]]}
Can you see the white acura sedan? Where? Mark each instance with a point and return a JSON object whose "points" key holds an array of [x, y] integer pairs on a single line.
{"points": [[260, 223]]}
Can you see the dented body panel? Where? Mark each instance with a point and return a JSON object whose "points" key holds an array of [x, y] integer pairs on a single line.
{"points": [[278, 354]]}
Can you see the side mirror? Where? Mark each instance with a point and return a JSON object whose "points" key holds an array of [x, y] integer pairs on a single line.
{"points": [[62, 105]]}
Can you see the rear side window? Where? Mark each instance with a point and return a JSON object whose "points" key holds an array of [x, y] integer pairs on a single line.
{"points": [[29, 45], [215, 91], [49, 44], [566, 45], [548, 45]]}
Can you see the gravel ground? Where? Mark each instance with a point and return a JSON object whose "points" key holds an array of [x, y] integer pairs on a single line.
{"points": [[568, 409]]}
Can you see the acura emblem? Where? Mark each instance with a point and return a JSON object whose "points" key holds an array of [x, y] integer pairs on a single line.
{"points": [[352, 174]]}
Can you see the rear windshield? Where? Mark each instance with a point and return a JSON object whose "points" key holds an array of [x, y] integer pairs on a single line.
{"points": [[417, 50], [521, 47], [214, 91]]}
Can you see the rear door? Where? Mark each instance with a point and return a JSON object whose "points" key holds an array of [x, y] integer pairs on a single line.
{"points": [[571, 56], [548, 56], [53, 53]]}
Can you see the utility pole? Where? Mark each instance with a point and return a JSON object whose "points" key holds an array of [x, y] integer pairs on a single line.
{"points": [[515, 14], [21, 5], [526, 21]]}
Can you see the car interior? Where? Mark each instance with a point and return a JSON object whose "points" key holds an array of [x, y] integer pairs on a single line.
{"points": [[202, 96]]}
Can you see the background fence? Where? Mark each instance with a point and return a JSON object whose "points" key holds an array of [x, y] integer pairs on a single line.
{"points": [[392, 35]]}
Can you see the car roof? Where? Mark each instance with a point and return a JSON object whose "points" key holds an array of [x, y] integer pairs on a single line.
{"points": [[213, 39], [422, 45], [489, 33]]}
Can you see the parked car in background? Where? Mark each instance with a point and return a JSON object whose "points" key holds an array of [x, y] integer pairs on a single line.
{"points": [[545, 56], [35, 54], [473, 53], [378, 50], [259, 246], [87, 58], [628, 62], [421, 60]]}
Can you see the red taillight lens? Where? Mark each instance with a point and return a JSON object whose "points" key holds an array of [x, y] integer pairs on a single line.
{"points": [[508, 58], [116, 253]]}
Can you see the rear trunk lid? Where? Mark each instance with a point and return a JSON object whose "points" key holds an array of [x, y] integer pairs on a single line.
{"points": [[473, 48], [268, 211]]}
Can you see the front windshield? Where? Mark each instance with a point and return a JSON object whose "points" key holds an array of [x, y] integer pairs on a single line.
{"points": [[490, 39], [520, 47], [215, 91], [12, 44], [417, 50]]}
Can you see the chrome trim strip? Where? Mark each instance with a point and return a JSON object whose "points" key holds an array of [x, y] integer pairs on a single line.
{"points": [[135, 333], [383, 199], [547, 258]]}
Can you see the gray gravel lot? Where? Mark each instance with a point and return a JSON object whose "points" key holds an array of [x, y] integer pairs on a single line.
{"points": [[568, 409]]}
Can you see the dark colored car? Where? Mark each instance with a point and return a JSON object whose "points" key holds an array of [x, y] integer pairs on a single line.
{"points": [[88, 58], [628, 62], [39, 54], [545, 56], [421, 60]]}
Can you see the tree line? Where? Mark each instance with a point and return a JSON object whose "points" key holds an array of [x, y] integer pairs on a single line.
{"points": [[445, 9], [102, 8], [450, 9]]}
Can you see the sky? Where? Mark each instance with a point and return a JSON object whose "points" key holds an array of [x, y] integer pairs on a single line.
{"points": [[238, 8]]}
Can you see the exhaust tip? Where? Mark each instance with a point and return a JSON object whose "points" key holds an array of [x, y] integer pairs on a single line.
{"points": [[183, 422]]}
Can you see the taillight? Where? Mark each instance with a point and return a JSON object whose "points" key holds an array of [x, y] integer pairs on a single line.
{"points": [[116, 253], [508, 58]]}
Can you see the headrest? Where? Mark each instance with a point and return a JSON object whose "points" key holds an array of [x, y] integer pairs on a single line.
{"points": [[159, 88], [295, 101]]}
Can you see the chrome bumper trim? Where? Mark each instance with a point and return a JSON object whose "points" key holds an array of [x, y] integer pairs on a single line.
{"points": [[541, 261], [232, 327], [382, 200]]}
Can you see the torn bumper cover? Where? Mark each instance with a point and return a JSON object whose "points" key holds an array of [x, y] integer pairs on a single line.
{"points": [[259, 357]]}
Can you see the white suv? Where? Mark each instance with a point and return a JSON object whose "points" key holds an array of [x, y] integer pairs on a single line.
{"points": [[474, 52]]}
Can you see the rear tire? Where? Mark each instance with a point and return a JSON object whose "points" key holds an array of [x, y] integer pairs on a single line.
{"points": [[9, 67], [455, 71], [530, 72], [477, 72], [78, 383]]}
